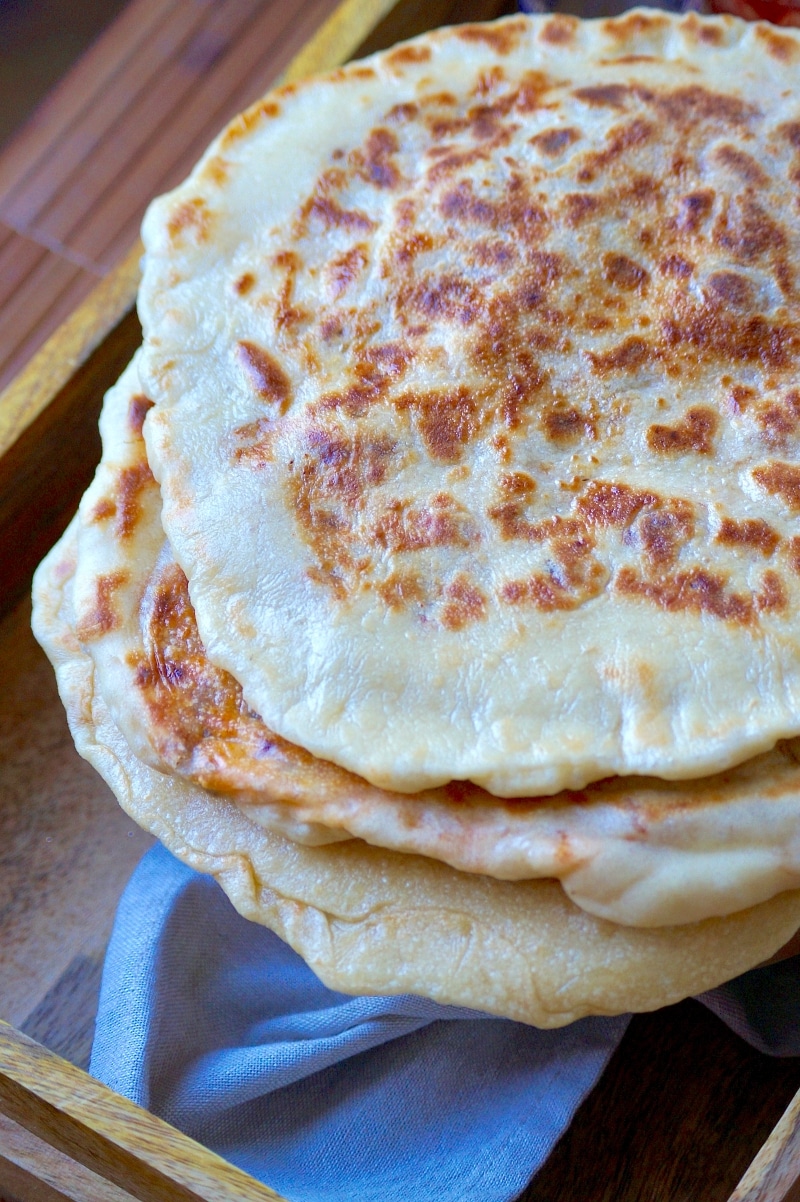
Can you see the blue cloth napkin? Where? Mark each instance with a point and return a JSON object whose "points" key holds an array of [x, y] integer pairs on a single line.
{"points": [[214, 1024]]}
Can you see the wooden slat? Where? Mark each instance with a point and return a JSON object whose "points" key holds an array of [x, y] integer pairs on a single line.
{"points": [[55, 364], [113, 168], [49, 293], [18, 258], [109, 1135], [262, 48], [26, 203], [774, 1175], [64, 103], [32, 1171]]}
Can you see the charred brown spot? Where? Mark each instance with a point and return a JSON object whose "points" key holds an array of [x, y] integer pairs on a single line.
{"points": [[345, 269], [619, 141], [694, 591], [746, 230], [566, 424], [449, 298], [740, 398], [401, 589], [790, 130], [502, 39], [713, 332], [217, 171], [517, 484], [540, 591], [691, 105], [103, 510], [403, 56], [264, 374], [778, 420], [752, 533], [743, 164], [631, 354], [410, 248], [257, 442], [624, 272], [694, 209], [201, 725], [771, 597], [793, 553], [607, 503], [610, 95], [780, 480], [443, 523], [559, 30], [574, 575], [401, 113], [676, 266], [461, 204], [734, 289], [331, 215], [447, 420], [664, 531], [779, 46], [579, 207], [244, 284], [131, 483], [375, 165], [138, 409], [464, 603], [694, 434], [104, 618], [554, 141], [192, 217], [711, 35]]}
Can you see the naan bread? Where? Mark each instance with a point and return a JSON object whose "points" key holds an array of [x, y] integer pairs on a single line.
{"points": [[369, 921], [476, 379], [635, 851]]}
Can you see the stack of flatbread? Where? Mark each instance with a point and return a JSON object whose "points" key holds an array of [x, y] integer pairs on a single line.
{"points": [[439, 587]]}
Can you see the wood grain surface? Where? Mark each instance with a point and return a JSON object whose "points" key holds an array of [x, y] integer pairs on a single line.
{"points": [[107, 1134], [678, 1116], [33, 1171], [773, 1175], [126, 122]]}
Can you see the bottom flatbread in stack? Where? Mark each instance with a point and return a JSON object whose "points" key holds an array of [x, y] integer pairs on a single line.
{"points": [[193, 764]]}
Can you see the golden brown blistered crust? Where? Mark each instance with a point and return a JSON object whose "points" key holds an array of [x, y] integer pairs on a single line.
{"points": [[201, 727], [566, 270]]}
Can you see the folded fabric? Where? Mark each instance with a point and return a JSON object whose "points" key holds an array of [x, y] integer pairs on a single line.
{"points": [[216, 1025]]}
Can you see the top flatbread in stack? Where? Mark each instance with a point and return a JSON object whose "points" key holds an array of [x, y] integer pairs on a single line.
{"points": [[487, 351], [475, 435]]}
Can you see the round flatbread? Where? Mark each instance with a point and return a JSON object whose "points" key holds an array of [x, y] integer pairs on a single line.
{"points": [[369, 921], [476, 411], [637, 851]]}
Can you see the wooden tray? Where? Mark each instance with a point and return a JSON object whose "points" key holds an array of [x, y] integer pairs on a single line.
{"points": [[684, 1106]]}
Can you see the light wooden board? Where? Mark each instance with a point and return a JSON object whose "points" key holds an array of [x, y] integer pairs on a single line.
{"points": [[108, 1135]]}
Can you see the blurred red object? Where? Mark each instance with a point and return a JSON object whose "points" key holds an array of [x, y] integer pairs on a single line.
{"points": [[779, 12]]}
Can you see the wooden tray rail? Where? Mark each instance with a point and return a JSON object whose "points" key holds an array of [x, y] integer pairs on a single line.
{"points": [[680, 1092]]}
